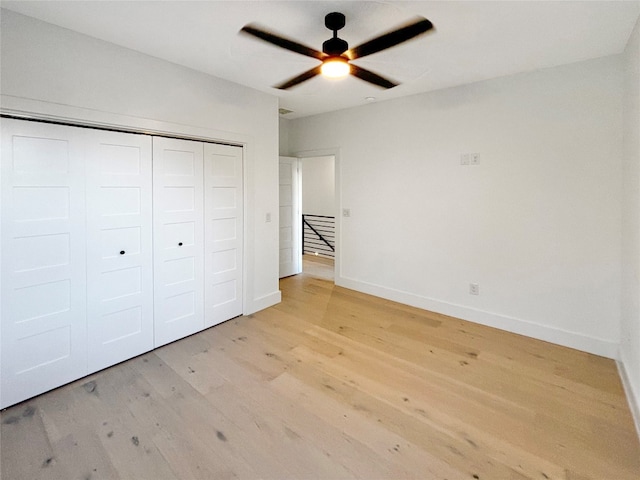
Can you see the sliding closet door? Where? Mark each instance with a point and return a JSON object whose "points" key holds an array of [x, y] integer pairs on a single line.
{"points": [[43, 258], [178, 238], [119, 247], [223, 232]]}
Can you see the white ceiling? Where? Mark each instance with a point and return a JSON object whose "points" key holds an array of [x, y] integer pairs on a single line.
{"points": [[473, 41]]}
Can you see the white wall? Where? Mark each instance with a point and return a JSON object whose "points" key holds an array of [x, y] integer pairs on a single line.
{"points": [[52, 71], [537, 224], [630, 339], [318, 186]]}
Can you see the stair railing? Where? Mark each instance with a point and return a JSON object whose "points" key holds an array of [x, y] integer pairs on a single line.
{"points": [[318, 235]]}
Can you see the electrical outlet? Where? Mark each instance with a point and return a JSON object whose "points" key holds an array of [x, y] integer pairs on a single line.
{"points": [[474, 158], [464, 159], [346, 212], [474, 289]]}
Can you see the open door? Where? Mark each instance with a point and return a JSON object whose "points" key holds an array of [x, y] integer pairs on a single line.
{"points": [[290, 217]]}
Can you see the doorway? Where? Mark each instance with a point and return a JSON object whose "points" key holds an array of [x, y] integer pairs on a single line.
{"points": [[318, 216], [308, 227]]}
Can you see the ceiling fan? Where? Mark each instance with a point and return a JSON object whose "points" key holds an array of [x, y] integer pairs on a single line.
{"points": [[336, 56]]}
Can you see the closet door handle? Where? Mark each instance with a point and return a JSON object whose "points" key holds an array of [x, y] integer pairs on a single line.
{"points": [[122, 252], [180, 244]]}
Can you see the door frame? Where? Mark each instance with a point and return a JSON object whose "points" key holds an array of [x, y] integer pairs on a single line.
{"points": [[335, 153]]}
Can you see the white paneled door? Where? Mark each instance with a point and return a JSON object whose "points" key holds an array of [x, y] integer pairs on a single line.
{"points": [[119, 247], [178, 207], [223, 232], [290, 217], [44, 335]]}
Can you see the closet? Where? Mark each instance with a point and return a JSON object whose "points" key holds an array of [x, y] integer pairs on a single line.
{"points": [[112, 244]]}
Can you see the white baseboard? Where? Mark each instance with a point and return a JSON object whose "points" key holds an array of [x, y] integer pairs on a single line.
{"points": [[549, 334], [634, 401], [263, 302]]}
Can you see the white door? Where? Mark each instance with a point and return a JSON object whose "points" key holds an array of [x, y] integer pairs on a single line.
{"points": [[178, 238], [290, 217], [119, 247], [223, 232], [44, 337]]}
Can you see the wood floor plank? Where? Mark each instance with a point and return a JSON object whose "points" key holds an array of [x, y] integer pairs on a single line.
{"points": [[26, 449], [180, 412], [100, 403], [302, 426], [189, 451], [266, 435], [385, 443], [451, 437], [300, 422], [84, 455]]}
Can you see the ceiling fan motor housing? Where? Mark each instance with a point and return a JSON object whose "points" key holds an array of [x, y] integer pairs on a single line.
{"points": [[335, 46]]}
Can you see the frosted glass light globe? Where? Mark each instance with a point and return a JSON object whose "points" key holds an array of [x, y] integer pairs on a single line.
{"points": [[335, 68]]}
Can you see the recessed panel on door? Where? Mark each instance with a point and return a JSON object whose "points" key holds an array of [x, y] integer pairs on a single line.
{"points": [[180, 270], [224, 261], [43, 258], [121, 324], [45, 347], [179, 307], [179, 199], [41, 153], [53, 298], [117, 201], [118, 242], [223, 232], [179, 234], [120, 283], [118, 159], [178, 238], [40, 252], [41, 203], [120, 247]]}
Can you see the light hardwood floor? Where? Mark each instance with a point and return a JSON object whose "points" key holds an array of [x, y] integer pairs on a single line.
{"points": [[318, 267], [333, 384]]}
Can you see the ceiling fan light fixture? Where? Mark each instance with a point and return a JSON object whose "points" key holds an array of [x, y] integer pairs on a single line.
{"points": [[336, 55], [335, 67]]}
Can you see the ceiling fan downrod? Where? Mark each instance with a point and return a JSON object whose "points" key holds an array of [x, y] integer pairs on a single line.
{"points": [[335, 46]]}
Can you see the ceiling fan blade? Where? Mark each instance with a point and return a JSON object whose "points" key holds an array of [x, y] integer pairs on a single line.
{"points": [[369, 76], [303, 77], [282, 42], [390, 39]]}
